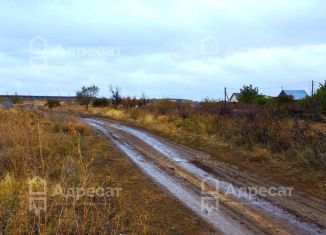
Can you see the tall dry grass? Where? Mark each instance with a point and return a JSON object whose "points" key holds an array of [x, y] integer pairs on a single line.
{"points": [[64, 151], [265, 128], [35, 145], [272, 143]]}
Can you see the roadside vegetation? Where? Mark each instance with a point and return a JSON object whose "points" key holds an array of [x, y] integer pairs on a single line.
{"points": [[62, 150], [52, 103], [276, 137]]}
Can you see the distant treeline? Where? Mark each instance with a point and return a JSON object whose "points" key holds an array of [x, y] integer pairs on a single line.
{"points": [[37, 97]]}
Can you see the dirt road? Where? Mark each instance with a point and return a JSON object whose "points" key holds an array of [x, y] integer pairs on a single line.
{"points": [[224, 197]]}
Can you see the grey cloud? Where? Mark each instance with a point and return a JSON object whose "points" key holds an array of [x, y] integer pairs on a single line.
{"points": [[265, 43]]}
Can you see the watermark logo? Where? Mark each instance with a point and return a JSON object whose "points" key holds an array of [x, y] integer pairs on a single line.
{"points": [[79, 52], [209, 46], [39, 192], [41, 51], [37, 188], [77, 193], [212, 48], [209, 195], [38, 48], [211, 189], [252, 192]]}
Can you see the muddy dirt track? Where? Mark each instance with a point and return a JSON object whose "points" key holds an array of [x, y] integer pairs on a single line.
{"points": [[220, 194]]}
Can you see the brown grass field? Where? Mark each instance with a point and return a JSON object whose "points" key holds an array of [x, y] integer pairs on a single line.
{"points": [[278, 149], [64, 151]]}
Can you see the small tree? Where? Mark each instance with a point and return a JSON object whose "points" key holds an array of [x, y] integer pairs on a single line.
{"points": [[248, 94], [264, 100], [320, 97], [86, 95], [143, 100], [317, 103], [101, 102], [115, 95]]}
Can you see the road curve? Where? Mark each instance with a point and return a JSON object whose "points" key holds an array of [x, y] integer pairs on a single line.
{"points": [[203, 186]]}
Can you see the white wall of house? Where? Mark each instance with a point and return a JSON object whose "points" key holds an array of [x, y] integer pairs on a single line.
{"points": [[233, 99]]}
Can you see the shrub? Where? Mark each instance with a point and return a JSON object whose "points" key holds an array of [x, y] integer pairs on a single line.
{"points": [[163, 107], [285, 99], [210, 106], [86, 95], [317, 103], [143, 100], [129, 102], [248, 94], [52, 103], [115, 95], [321, 98], [264, 100], [184, 109], [101, 102], [308, 158]]}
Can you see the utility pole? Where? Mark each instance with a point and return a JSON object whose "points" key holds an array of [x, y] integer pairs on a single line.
{"points": [[223, 107], [225, 94], [312, 88]]}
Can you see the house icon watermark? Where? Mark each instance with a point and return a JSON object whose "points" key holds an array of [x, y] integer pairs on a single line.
{"points": [[209, 46], [209, 195], [38, 45], [38, 49], [37, 188]]}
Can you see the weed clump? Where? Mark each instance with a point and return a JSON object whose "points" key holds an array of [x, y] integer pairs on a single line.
{"points": [[308, 158], [52, 103]]}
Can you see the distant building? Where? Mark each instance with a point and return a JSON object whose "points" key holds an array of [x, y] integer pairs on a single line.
{"points": [[296, 94], [7, 105], [234, 97]]}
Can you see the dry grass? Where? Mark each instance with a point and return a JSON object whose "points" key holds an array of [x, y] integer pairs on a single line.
{"points": [[66, 152], [274, 147]]}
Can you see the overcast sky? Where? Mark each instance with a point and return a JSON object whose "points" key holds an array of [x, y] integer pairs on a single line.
{"points": [[167, 48]]}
